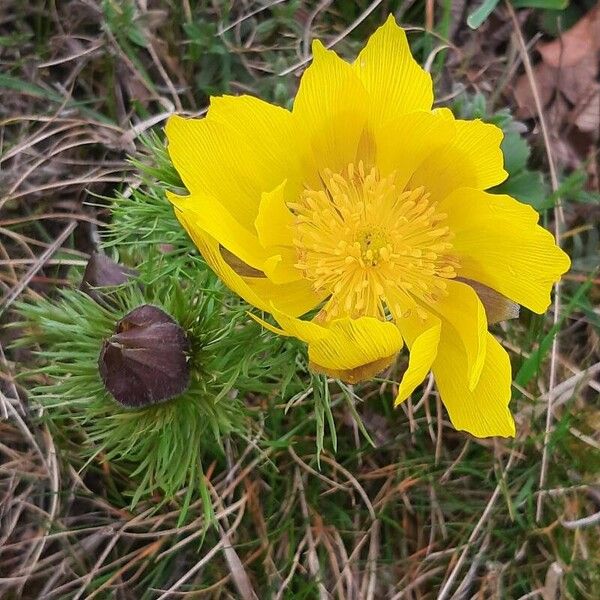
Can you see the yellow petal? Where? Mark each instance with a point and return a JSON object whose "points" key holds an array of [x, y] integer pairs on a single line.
{"points": [[212, 217], [274, 222], [267, 129], [472, 159], [422, 337], [463, 309], [361, 372], [294, 298], [483, 412], [403, 143], [331, 110], [280, 268], [352, 343], [498, 243], [395, 82], [242, 148], [344, 344]]}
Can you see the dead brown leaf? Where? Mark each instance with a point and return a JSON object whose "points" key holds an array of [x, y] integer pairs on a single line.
{"points": [[569, 90], [575, 44]]}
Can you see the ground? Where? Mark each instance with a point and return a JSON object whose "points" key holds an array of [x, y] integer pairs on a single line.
{"points": [[331, 493]]}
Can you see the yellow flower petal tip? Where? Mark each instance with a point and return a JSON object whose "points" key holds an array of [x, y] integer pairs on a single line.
{"points": [[321, 210], [483, 411], [423, 352], [318, 49]]}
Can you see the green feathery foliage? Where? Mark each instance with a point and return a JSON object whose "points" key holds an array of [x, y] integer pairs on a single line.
{"points": [[143, 223], [159, 448]]}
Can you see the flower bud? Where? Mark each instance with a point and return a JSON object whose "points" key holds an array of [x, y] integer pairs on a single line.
{"points": [[145, 361]]}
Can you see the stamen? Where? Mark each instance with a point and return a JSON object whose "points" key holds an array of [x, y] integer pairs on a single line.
{"points": [[362, 241]]}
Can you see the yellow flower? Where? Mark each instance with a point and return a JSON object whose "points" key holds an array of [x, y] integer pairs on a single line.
{"points": [[366, 209]]}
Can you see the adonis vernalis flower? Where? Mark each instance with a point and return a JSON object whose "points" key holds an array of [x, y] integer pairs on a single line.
{"points": [[365, 209]]}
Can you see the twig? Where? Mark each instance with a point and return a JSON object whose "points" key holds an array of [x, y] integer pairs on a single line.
{"points": [[11, 382], [583, 522], [221, 31], [558, 221], [206, 558], [446, 476], [372, 562], [295, 563], [477, 529], [322, 5], [306, 467], [22, 284], [336, 39], [562, 392], [440, 429], [415, 583], [236, 568], [114, 537], [465, 584], [553, 581], [313, 560]]}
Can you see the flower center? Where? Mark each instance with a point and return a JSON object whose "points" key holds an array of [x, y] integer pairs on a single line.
{"points": [[372, 241], [370, 246]]}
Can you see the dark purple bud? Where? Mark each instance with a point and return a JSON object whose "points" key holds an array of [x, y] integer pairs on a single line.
{"points": [[102, 271], [145, 361]]}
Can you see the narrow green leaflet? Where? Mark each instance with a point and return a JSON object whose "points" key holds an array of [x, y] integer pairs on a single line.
{"points": [[479, 15], [532, 364]]}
